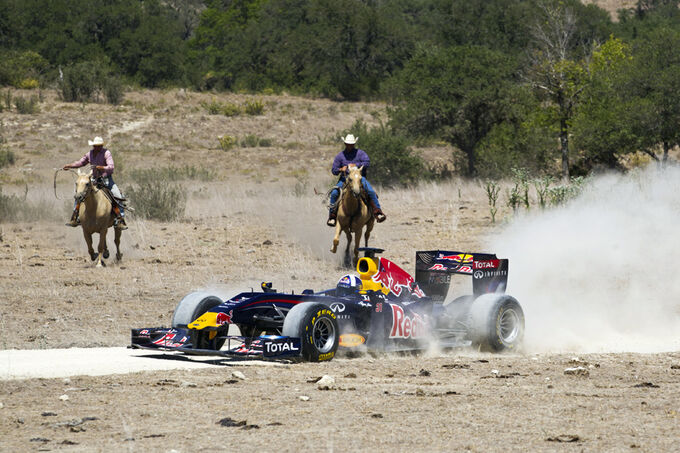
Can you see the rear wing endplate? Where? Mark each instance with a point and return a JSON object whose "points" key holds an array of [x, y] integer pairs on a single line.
{"points": [[435, 267]]}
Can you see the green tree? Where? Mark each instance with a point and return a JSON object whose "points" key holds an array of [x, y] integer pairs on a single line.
{"points": [[393, 161], [555, 71], [656, 80], [609, 119], [459, 94]]}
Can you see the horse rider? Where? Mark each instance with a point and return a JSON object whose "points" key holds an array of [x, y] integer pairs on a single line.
{"points": [[101, 161], [352, 156]]}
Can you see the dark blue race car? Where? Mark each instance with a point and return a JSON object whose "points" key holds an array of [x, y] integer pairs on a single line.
{"points": [[383, 308]]}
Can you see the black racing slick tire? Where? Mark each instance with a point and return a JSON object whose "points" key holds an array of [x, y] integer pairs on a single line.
{"points": [[496, 323], [317, 327], [190, 308]]}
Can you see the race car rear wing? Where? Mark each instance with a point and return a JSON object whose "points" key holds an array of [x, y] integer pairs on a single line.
{"points": [[434, 269]]}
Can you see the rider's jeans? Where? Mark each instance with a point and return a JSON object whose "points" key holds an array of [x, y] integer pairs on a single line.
{"points": [[335, 193]]}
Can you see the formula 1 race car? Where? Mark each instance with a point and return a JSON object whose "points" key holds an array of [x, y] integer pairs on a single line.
{"points": [[381, 309]]}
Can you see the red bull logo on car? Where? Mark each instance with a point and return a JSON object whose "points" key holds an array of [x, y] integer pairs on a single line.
{"points": [[464, 258], [405, 326], [396, 279], [223, 318]]}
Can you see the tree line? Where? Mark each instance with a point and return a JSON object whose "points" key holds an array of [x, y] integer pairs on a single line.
{"points": [[509, 83]]}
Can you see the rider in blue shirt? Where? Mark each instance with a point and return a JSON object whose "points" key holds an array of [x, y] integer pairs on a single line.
{"points": [[352, 156]]}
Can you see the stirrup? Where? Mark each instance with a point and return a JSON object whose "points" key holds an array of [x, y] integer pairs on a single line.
{"points": [[379, 216], [73, 222], [119, 224], [331, 219]]}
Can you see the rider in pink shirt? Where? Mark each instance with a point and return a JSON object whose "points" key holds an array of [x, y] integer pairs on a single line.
{"points": [[102, 168]]}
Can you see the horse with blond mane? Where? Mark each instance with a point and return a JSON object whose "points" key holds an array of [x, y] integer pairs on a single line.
{"points": [[353, 213], [96, 216]]}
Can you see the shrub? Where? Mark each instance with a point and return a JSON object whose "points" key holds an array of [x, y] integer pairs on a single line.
{"points": [[26, 106], [6, 157], [254, 107], [230, 109], [22, 69], [158, 200], [29, 84], [166, 174], [7, 98], [227, 142], [392, 160], [14, 208], [250, 141], [78, 83], [266, 142], [213, 107], [85, 81], [113, 90]]}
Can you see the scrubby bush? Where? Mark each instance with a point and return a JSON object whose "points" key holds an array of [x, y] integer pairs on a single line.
{"points": [[14, 208], [6, 157], [227, 142], [213, 107], [26, 106], [186, 172], [250, 141], [230, 109], [84, 82], [158, 200], [393, 162], [254, 107], [7, 99], [21, 69], [113, 90]]}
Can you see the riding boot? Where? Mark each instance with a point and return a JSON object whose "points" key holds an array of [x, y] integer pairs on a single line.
{"points": [[331, 218], [119, 222], [75, 221], [377, 213]]}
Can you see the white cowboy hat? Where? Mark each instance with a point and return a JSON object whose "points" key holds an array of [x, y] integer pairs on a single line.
{"points": [[97, 141], [350, 139]]}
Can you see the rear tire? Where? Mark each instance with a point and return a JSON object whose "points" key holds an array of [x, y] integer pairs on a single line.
{"points": [[496, 323], [317, 327], [192, 306]]}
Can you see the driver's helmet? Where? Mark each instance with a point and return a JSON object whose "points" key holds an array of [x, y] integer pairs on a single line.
{"points": [[348, 284]]}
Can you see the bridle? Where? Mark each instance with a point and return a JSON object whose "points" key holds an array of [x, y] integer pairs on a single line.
{"points": [[89, 188]]}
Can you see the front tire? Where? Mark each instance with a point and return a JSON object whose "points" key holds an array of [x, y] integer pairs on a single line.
{"points": [[190, 308], [496, 323], [317, 327]]}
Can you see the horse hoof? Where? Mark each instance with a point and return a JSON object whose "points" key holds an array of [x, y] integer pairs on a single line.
{"points": [[106, 254], [119, 256], [94, 256]]}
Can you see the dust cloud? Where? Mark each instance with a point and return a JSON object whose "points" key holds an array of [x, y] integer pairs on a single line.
{"points": [[600, 274]]}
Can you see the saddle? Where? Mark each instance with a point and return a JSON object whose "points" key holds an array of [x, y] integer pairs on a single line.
{"points": [[113, 199]]}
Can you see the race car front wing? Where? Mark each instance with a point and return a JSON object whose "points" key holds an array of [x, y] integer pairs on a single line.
{"points": [[179, 339]]}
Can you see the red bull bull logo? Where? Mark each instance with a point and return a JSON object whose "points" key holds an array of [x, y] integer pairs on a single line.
{"points": [[223, 318], [396, 279], [458, 258]]}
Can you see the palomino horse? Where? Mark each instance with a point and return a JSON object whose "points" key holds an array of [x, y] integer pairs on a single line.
{"points": [[95, 217], [353, 213]]}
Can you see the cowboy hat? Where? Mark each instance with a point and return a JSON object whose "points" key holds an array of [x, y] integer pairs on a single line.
{"points": [[96, 142], [350, 139]]}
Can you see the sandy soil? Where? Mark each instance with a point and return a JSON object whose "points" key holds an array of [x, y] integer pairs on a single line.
{"points": [[259, 219], [459, 402]]}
